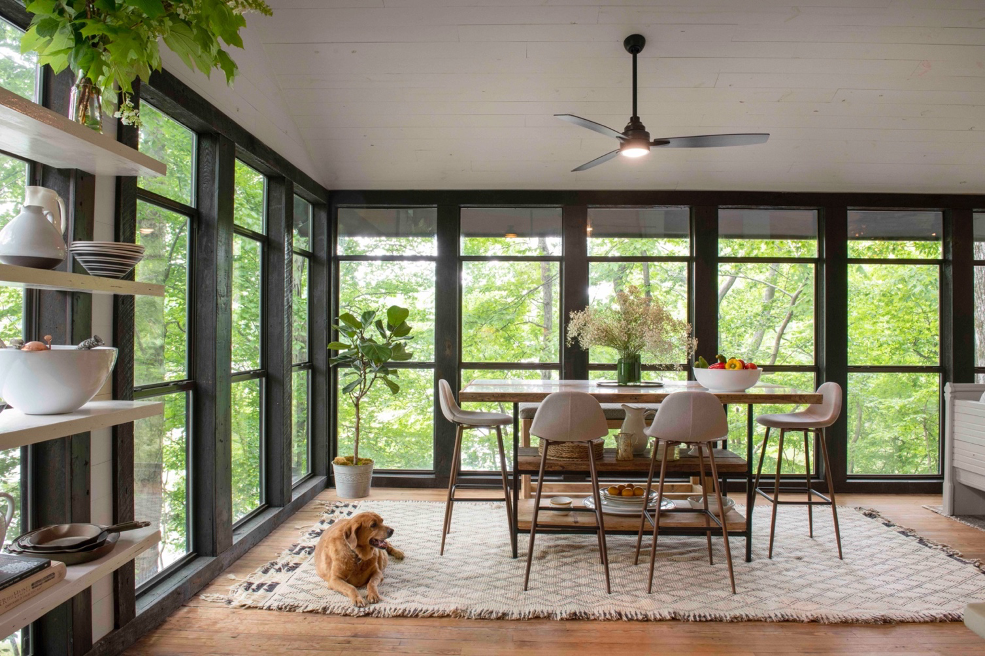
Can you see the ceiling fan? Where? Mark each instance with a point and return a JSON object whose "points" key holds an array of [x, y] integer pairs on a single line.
{"points": [[635, 140]]}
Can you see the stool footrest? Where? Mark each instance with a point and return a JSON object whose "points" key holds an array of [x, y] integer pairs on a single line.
{"points": [[825, 500], [477, 499], [478, 486]]}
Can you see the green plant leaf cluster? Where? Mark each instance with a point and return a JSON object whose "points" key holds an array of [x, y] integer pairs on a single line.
{"points": [[367, 345], [114, 42]]}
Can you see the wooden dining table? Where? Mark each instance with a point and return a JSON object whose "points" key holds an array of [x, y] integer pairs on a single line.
{"points": [[526, 459]]}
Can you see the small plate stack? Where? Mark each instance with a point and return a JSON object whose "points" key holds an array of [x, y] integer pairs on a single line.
{"points": [[109, 259]]}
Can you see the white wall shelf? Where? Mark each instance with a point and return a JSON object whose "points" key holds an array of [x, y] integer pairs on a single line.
{"points": [[78, 578], [18, 429], [37, 133], [26, 277]]}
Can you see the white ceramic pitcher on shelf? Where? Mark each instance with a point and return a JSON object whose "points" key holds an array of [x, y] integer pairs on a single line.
{"points": [[50, 203], [634, 424]]}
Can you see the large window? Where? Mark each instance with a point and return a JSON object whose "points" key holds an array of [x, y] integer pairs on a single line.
{"points": [[892, 408], [647, 248], [510, 260], [301, 359], [979, 287], [386, 256], [165, 216], [766, 300], [247, 335]]}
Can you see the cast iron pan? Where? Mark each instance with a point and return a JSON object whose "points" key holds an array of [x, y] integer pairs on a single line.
{"points": [[71, 557], [72, 537]]}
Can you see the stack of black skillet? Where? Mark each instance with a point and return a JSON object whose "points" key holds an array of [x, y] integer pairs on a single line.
{"points": [[72, 544]]}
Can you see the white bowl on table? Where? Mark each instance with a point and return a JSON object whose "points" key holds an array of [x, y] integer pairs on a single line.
{"points": [[53, 382], [726, 380]]}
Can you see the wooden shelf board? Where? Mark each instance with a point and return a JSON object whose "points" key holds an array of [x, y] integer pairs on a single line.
{"points": [[37, 133], [672, 520], [727, 462], [18, 429], [78, 578], [28, 278]]}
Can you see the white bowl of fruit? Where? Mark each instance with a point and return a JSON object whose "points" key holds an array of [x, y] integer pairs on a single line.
{"points": [[726, 374]]}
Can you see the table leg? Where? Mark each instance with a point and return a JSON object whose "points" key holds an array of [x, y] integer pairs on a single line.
{"points": [[516, 486], [750, 493]]}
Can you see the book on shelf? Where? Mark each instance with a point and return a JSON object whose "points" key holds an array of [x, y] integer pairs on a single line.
{"points": [[31, 586], [16, 568]]}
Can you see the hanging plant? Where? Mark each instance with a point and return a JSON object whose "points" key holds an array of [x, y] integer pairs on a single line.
{"points": [[108, 44]]}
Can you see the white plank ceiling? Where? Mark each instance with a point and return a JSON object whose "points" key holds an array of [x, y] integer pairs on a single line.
{"points": [[857, 95]]}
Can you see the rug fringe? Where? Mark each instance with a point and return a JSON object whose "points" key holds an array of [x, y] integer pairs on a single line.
{"points": [[872, 513]]}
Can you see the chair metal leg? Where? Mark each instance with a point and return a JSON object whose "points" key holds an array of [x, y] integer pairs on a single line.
{"points": [[722, 519], [451, 487], [763, 452], [506, 485], [828, 478], [705, 498], [777, 489], [657, 517], [534, 516], [811, 528], [600, 525], [650, 482]]}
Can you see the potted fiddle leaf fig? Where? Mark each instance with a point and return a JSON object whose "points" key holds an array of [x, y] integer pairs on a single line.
{"points": [[366, 347], [108, 44]]}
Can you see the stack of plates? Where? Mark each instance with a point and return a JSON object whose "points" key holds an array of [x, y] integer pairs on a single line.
{"points": [[614, 505], [109, 259]]}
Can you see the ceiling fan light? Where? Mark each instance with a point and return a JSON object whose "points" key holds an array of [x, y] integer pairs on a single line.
{"points": [[634, 151]]}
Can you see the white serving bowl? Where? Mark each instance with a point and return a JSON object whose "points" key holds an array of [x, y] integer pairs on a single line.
{"points": [[724, 380], [53, 382], [697, 504]]}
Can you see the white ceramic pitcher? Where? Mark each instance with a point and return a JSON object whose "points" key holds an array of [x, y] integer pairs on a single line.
{"points": [[634, 424], [31, 239], [50, 202]]}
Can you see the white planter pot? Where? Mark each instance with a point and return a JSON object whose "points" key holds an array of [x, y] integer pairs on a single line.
{"points": [[352, 481]]}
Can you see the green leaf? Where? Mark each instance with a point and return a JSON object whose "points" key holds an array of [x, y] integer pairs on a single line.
{"points": [[396, 316], [402, 330], [182, 42], [368, 317], [339, 346], [351, 386], [47, 27], [376, 352], [380, 329], [399, 353], [394, 387], [41, 6], [151, 8], [227, 65], [350, 320]]}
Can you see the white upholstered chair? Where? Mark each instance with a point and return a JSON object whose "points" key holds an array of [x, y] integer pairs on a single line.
{"points": [[569, 417], [813, 419], [696, 419], [465, 419]]}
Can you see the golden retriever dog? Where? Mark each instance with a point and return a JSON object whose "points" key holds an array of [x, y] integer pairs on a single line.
{"points": [[354, 552]]}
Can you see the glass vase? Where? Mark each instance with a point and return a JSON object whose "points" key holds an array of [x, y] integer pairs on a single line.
{"points": [[85, 104], [628, 370]]}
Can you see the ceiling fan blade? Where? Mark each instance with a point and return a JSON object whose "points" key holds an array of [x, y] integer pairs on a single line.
{"points": [[712, 140], [599, 160], [591, 125]]}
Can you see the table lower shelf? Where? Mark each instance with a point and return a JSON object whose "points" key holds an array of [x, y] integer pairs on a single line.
{"points": [[670, 521]]}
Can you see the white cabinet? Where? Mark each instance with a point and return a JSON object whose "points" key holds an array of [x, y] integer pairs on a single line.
{"points": [[965, 450]]}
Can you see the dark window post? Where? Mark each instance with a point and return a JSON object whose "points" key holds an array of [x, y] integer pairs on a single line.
{"points": [[212, 531], [447, 301], [319, 314], [575, 285], [834, 348], [958, 324], [704, 310], [280, 252]]}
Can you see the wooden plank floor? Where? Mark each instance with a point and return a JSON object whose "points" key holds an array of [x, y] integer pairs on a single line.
{"points": [[202, 627]]}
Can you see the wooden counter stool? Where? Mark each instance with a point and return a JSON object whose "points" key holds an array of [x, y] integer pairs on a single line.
{"points": [[696, 419], [813, 419], [464, 419], [569, 417]]}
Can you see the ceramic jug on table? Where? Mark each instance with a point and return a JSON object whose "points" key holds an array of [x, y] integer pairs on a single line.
{"points": [[33, 238], [634, 424]]}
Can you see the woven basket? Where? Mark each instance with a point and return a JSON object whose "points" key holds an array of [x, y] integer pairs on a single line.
{"points": [[571, 450]]}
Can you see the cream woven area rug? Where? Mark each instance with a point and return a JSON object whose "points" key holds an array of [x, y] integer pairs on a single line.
{"points": [[888, 575]]}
